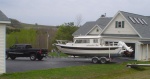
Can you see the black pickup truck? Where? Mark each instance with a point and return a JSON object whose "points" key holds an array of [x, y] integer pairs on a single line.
{"points": [[25, 50]]}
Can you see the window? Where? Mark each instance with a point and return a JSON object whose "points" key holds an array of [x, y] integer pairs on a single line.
{"points": [[140, 21], [83, 41], [144, 21], [109, 43], [97, 30], [95, 40], [119, 24], [132, 19], [136, 20]]}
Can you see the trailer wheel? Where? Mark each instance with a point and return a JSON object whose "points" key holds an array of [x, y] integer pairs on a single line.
{"points": [[95, 60], [103, 60]]}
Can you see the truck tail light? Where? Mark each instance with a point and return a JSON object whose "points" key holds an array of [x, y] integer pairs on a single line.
{"points": [[40, 51]]}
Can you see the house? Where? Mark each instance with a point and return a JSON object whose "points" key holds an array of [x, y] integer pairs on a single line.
{"points": [[3, 22], [131, 28], [92, 27]]}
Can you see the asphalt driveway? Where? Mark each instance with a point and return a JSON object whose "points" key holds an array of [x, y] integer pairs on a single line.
{"points": [[24, 64]]}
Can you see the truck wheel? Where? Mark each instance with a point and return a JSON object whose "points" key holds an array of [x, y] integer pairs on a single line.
{"points": [[95, 60], [7, 56], [103, 60], [32, 57], [40, 58], [12, 57]]}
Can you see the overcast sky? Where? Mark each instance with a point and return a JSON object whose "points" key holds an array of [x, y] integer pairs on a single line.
{"points": [[57, 12]]}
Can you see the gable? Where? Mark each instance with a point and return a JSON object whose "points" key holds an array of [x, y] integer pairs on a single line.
{"points": [[126, 30], [96, 30]]}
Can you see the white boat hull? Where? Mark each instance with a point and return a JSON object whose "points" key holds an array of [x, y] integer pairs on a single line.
{"points": [[90, 51]]}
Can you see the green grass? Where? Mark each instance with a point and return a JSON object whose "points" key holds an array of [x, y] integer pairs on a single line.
{"points": [[54, 54], [95, 71]]}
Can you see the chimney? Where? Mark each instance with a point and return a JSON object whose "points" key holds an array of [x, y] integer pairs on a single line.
{"points": [[103, 15]]}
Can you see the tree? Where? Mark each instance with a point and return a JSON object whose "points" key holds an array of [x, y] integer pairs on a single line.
{"points": [[79, 20], [65, 31]]}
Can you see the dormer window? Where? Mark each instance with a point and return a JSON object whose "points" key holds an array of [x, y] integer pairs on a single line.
{"points": [[119, 24], [97, 30]]}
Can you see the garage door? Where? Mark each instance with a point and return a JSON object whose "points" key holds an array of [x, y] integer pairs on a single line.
{"points": [[132, 45]]}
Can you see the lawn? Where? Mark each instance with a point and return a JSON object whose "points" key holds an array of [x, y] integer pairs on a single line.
{"points": [[94, 71], [55, 54]]}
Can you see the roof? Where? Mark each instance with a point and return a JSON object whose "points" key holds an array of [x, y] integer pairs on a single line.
{"points": [[145, 42], [3, 18], [142, 29], [101, 22], [85, 28]]}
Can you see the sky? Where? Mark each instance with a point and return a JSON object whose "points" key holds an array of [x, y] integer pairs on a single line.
{"points": [[57, 12]]}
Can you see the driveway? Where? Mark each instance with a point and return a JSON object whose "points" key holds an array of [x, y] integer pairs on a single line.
{"points": [[24, 64]]}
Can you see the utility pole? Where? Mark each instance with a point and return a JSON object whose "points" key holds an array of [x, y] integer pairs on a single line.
{"points": [[47, 39]]}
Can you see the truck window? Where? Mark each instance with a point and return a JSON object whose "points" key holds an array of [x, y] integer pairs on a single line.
{"points": [[13, 47], [20, 47], [28, 46]]}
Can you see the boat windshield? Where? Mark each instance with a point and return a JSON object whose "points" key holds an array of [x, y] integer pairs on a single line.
{"points": [[82, 41]]}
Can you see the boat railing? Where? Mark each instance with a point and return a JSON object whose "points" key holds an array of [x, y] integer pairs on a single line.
{"points": [[63, 41]]}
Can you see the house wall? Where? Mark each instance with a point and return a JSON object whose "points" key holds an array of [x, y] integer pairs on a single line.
{"points": [[94, 31], [126, 30], [126, 40], [2, 48], [144, 55], [140, 49]]}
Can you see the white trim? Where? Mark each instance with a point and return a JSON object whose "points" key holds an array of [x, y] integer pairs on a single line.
{"points": [[92, 29], [146, 38], [5, 50], [5, 22], [147, 53], [114, 19]]}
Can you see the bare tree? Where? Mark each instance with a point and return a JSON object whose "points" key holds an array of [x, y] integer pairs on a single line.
{"points": [[78, 20]]}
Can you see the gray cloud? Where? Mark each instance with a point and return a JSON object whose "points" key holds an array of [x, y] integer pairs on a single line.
{"points": [[57, 12]]}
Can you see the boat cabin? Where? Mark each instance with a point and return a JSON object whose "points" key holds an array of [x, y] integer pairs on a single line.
{"points": [[87, 41]]}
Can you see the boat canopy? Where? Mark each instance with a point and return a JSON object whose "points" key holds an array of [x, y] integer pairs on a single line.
{"points": [[80, 37]]}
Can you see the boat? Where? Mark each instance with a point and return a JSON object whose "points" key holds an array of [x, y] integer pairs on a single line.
{"points": [[91, 46]]}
